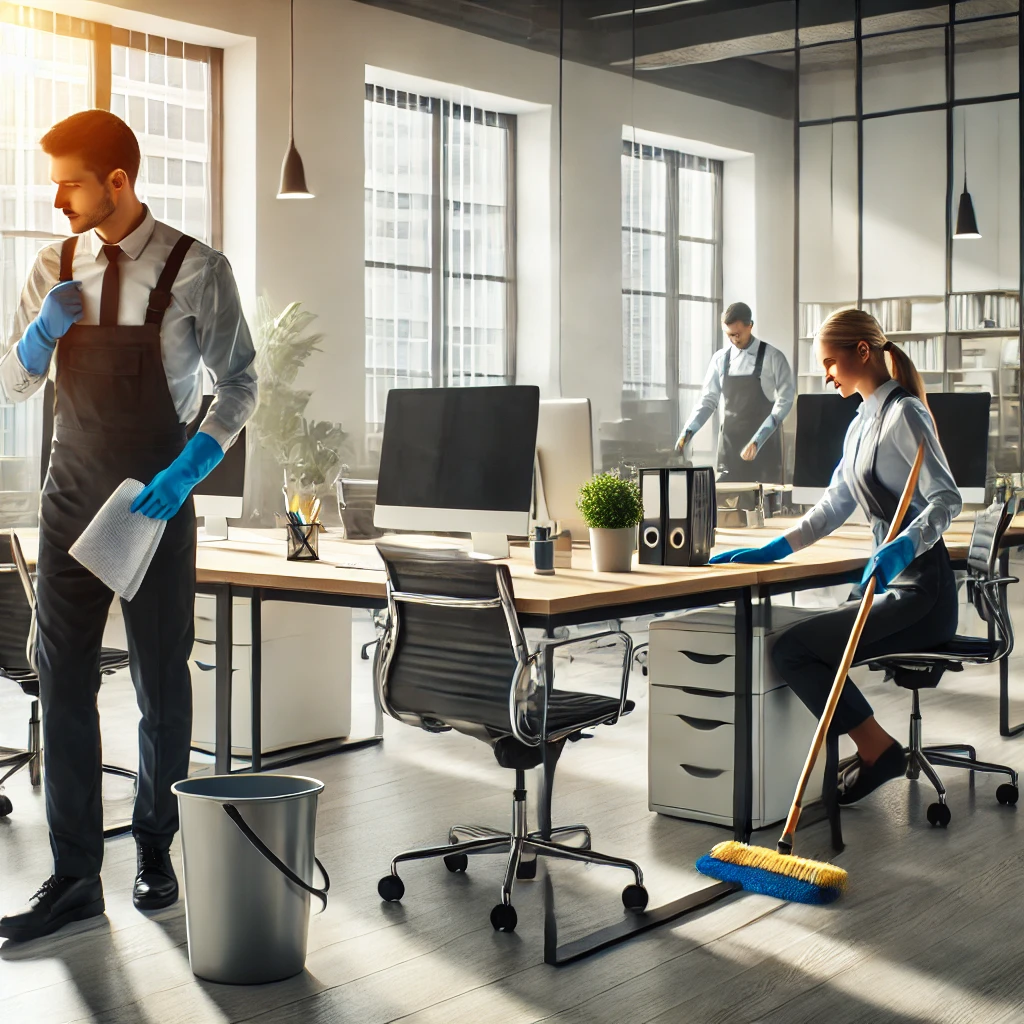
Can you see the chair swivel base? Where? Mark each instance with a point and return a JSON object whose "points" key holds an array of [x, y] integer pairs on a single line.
{"points": [[523, 847]]}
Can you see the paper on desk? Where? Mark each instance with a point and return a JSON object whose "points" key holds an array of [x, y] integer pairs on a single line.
{"points": [[118, 545]]}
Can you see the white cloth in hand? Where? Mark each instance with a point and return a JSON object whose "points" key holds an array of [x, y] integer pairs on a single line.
{"points": [[118, 545]]}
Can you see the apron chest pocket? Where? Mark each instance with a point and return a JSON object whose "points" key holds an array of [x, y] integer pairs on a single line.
{"points": [[110, 361]]}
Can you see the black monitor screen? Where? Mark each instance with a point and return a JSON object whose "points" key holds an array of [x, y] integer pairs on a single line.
{"points": [[227, 478], [962, 420], [459, 448], [821, 425]]}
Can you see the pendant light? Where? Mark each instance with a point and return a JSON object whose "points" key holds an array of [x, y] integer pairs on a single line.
{"points": [[293, 176], [966, 222]]}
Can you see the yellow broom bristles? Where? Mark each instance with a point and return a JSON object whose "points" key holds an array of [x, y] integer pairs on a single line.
{"points": [[815, 872]]}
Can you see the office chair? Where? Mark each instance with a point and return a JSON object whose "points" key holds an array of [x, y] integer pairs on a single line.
{"points": [[919, 670], [18, 664], [453, 656]]}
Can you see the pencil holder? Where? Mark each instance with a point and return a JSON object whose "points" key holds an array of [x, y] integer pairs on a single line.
{"points": [[303, 541]]}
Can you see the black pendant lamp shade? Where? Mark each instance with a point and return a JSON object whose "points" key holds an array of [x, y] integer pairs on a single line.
{"points": [[293, 176], [966, 222]]}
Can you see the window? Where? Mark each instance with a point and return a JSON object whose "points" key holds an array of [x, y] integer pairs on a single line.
{"points": [[671, 273], [439, 248]]}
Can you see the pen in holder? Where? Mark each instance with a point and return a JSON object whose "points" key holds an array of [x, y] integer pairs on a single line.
{"points": [[303, 539]]}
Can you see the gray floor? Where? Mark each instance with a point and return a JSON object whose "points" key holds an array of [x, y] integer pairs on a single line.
{"points": [[930, 930]]}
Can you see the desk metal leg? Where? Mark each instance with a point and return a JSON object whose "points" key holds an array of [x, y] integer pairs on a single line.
{"points": [[630, 924], [1005, 729], [224, 646], [743, 759], [256, 679]]}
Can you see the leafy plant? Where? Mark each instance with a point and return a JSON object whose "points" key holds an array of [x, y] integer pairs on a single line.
{"points": [[309, 451], [607, 502]]}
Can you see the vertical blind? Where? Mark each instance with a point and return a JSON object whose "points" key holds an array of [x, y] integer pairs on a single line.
{"points": [[439, 245]]}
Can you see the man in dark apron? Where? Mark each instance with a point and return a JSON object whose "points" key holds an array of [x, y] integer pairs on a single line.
{"points": [[755, 384], [115, 417]]}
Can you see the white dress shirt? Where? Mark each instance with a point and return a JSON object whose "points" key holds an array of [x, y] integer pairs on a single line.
{"points": [[936, 501], [203, 325], [777, 383]]}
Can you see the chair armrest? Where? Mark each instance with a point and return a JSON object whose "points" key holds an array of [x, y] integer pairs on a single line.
{"points": [[546, 644]]}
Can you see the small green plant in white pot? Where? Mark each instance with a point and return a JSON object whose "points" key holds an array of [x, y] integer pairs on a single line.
{"points": [[612, 509]]}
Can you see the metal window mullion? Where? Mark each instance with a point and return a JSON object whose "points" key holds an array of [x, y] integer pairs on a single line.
{"points": [[438, 246], [950, 96], [672, 341], [858, 40], [1020, 247], [511, 270], [101, 66]]}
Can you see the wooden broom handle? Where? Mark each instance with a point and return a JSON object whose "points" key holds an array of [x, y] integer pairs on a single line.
{"points": [[848, 655]]}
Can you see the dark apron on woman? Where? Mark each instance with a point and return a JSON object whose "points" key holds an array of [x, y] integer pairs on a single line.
{"points": [[114, 418], [746, 407]]}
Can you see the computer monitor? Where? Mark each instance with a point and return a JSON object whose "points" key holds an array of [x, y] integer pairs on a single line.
{"points": [[962, 420], [218, 497], [565, 460], [821, 425], [459, 460]]}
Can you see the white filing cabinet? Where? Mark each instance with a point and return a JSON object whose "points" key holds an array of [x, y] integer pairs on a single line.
{"points": [[692, 676], [306, 674]]}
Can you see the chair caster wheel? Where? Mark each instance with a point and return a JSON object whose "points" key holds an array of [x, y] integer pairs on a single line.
{"points": [[6, 806], [391, 888], [634, 897], [527, 869], [939, 815], [1006, 794], [504, 918], [456, 862]]}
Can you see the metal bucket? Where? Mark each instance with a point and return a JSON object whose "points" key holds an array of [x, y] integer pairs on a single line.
{"points": [[247, 844]]}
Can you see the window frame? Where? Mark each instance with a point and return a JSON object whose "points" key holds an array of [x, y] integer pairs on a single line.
{"points": [[442, 112], [675, 161]]}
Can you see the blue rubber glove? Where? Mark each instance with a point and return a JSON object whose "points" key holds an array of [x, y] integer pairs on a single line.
{"points": [[888, 562], [167, 491], [770, 552], [60, 309]]}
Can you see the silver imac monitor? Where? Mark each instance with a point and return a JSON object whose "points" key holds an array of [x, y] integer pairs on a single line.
{"points": [[565, 460], [218, 497], [459, 460]]}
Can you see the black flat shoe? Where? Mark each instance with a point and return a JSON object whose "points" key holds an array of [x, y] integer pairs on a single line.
{"points": [[858, 779], [156, 886], [57, 902]]}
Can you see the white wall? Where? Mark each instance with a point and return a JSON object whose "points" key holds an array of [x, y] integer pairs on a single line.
{"points": [[313, 250]]}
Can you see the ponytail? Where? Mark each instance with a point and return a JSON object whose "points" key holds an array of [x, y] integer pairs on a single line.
{"points": [[902, 367]]}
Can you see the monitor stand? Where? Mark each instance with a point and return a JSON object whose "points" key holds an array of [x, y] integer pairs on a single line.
{"points": [[213, 528], [490, 545]]}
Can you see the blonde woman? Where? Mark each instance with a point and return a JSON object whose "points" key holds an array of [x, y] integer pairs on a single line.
{"points": [[917, 606]]}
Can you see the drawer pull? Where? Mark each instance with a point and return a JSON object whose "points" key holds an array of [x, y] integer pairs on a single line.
{"points": [[203, 667], [697, 691], [703, 724], [702, 773], [706, 659]]}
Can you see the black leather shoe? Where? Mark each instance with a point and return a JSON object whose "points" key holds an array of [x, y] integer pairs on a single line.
{"points": [[58, 902], [155, 884], [859, 779]]}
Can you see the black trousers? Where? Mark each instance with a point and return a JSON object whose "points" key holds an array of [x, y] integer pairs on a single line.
{"points": [[912, 615], [72, 607]]}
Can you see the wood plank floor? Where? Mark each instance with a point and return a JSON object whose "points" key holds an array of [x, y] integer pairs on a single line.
{"points": [[930, 930]]}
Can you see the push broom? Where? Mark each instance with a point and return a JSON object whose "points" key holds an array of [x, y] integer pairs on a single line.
{"points": [[777, 872]]}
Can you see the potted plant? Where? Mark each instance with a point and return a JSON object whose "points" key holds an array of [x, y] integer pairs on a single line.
{"points": [[612, 509], [308, 452]]}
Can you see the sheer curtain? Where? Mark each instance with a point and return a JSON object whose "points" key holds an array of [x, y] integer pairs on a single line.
{"points": [[46, 73]]}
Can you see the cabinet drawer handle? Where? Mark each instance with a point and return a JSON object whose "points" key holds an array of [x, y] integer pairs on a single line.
{"points": [[203, 667], [702, 773], [706, 659], [703, 724], [696, 691]]}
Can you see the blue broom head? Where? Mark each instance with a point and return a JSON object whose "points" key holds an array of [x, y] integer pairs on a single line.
{"points": [[769, 873]]}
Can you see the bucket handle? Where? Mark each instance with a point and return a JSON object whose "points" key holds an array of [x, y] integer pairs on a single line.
{"points": [[261, 847]]}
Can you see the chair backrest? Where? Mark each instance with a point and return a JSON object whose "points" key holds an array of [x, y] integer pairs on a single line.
{"points": [[989, 526], [17, 613], [453, 654]]}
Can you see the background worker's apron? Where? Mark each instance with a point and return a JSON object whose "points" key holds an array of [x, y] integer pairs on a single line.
{"points": [[746, 407]]}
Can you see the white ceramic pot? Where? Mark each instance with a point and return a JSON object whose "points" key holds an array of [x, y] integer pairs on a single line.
{"points": [[612, 550]]}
